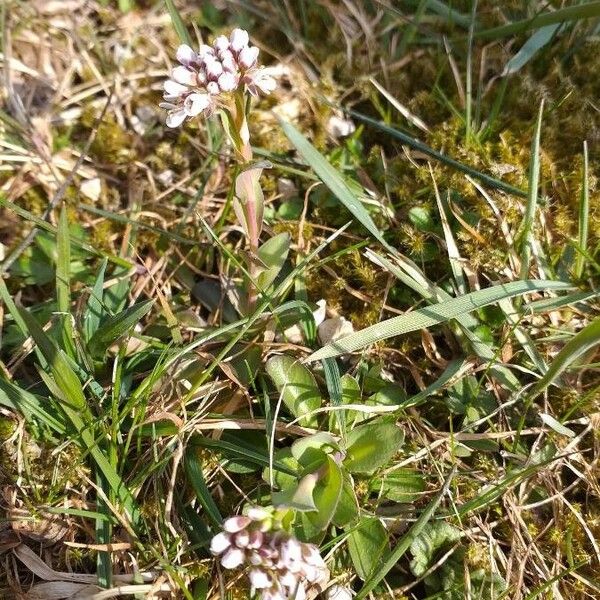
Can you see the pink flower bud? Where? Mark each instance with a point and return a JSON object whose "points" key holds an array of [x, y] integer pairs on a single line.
{"points": [[221, 44], [233, 558], [212, 87], [220, 543], [259, 579], [185, 55], [213, 69], [228, 82], [238, 39], [248, 57], [235, 524], [184, 76]]}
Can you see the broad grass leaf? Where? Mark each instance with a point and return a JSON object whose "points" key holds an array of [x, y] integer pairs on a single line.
{"points": [[297, 386], [432, 315]]}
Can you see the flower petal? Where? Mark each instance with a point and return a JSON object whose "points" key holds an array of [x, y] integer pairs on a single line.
{"points": [[248, 57], [175, 118], [227, 82], [194, 104], [221, 43], [173, 88], [233, 558]]}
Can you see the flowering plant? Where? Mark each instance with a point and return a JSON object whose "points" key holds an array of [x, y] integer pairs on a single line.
{"points": [[280, 566], [222, 78]]}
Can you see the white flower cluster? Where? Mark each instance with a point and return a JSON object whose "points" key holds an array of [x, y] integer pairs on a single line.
{"points": [[197, 84], [281, 567]]}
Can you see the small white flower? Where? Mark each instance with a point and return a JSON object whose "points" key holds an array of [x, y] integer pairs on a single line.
{"points": [[185, 55], [233, 558], [212, 87], [248, 57], [238, 39], [213, 68], [257, 513], [338, 592], [205, 52], [220, 543], [258, 81], [242, 539]]}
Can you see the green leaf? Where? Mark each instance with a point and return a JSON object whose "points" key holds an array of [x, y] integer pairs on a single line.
{"points": [[557, 426], [273, 253], [371, 446], [30, 405], [177, 21], [297, 387], [326, 496], [347, 508], [115, 327], [65, 378], [195, 476], [584, 214], [366, 544], [299, 497], [433, 537], [432, 315], [587, 339], [531, 47], [75, 407], [63, 288], [585, 10], [94, 310], [444, 159], [333, 180], [525, 235], [402, 485]]}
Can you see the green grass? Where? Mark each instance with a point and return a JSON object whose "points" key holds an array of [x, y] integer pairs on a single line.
{"points": [[444, 449]]}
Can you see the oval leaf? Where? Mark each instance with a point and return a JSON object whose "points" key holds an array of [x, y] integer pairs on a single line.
{"points": [[297, 387]]}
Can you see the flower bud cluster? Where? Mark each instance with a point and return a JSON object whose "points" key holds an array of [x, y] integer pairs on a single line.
{"points": [[280, 567], [198, 84]]}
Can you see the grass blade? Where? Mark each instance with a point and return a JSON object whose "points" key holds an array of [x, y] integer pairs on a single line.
{"points": [[526, 234], [530, 48], [178, 25], [585, 340], [447, 160], [63, 287], [570, 13], [584, 214], [333, 180], [431, 315]]}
